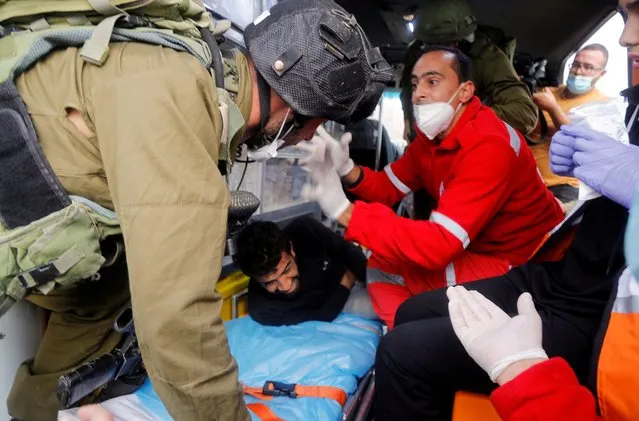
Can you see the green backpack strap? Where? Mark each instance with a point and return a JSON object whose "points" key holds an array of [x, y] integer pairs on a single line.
{"points": [[96, 49], [32, 258], [232, 122]]}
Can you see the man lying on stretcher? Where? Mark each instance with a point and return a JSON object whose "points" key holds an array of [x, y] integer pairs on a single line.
{"points": [[301, 273]]}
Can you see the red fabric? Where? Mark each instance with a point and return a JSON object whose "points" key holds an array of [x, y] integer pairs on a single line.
{"points": [[386, 298], [479, 181], [549, 391]]}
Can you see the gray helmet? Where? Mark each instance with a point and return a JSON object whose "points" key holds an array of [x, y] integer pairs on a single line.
{"points": [[317, 58], [442, 21]]}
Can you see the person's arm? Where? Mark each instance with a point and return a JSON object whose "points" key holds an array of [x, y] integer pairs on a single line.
{"points": [[479, 190], [388, 186], [546, 101], [159, 139], [559, 117], [334, 244], [604, 164], [353, 258], [509, 349], [545, 391], [508, 95]]}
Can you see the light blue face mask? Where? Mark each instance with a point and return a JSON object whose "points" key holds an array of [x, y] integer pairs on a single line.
{"points": [[632, 237], [578, 85]]}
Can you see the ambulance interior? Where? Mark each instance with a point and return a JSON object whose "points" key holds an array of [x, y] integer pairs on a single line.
{"points": [[548, 29]]}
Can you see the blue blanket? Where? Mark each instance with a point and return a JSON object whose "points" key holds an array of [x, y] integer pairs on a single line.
{"points": [[313, 353]]}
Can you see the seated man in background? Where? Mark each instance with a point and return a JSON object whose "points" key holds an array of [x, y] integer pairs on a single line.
{"points": [[587, 68], [301, 273], [492, 210]]}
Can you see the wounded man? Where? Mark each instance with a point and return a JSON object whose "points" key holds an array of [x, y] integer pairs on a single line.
{"points": [[301, 273]]}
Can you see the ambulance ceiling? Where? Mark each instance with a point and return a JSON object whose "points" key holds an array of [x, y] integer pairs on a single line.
{"points": [[549, 28]]}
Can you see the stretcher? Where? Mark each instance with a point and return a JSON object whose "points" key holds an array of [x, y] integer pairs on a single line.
{"points": [[312, 371]]}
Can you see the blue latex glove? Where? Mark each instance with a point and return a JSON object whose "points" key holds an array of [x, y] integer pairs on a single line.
{"points": [[608, 166], [632, 237], [561, 152]]}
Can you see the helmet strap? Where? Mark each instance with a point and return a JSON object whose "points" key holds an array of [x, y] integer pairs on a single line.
{"points": [[264, 92]]}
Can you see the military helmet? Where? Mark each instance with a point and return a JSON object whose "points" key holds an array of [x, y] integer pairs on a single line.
{"points": [[442, 21], [314, 54]]}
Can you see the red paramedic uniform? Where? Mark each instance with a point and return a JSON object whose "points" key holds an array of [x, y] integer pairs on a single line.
{"points": [[493, 210], [550, 391]]}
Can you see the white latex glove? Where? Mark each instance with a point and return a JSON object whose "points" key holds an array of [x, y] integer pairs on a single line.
{"points": [[337, 151], [328, 192], [318, 161], [491, 337]]}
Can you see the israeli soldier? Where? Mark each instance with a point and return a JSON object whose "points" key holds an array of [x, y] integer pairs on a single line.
{"points": [[451, 22], [111, 118]]}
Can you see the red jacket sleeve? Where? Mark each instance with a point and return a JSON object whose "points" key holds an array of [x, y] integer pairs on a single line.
{"points": [[480, 187], [549, 391], [393, 183]]}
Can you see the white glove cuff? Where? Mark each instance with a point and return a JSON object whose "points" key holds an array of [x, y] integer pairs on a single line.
{"points": [[501, 365], [340, 209], [348, 167]]}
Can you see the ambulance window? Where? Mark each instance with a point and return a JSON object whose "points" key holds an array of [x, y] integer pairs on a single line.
{"points": [[240, 12], [392, 117], [276, 182], [616, 78], [283, 185]]}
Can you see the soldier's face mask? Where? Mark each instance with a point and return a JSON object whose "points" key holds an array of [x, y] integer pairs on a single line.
{"points": [[269, 150], [435, 117]]}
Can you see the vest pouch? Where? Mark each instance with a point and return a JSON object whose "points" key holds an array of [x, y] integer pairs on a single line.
{"points": [[56, 251]]}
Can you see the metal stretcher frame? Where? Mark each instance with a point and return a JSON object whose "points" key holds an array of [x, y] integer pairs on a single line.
{"points": [[358, 406]]}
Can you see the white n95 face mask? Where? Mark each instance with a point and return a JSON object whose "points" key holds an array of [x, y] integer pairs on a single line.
{"points": [[434, 118], [269, 151]]}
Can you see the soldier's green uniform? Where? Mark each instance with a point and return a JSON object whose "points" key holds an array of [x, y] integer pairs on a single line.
{"points": [[498, 86], [126, 115], [158, 168]]}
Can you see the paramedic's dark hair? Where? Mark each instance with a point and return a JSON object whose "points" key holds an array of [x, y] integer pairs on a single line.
{"points": [[259, 248], [598, 47], [462, 64]]}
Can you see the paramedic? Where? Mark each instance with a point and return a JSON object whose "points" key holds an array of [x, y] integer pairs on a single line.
{"points": [[451, 22], [531, 386], [420, 364], [586, 69], [493, 209], [300, 273], [510, 350], [142, 134]]}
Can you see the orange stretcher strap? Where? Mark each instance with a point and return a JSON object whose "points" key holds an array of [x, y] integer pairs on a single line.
{"points": [[272, 389], [263, 412]]}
